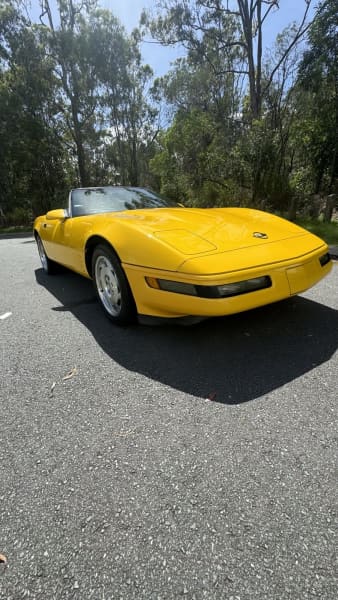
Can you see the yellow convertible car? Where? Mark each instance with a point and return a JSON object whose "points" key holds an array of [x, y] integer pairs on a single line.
{"points": [[151, 258]]}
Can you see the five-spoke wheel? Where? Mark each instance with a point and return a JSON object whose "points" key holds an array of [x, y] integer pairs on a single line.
{"points": [[49, 266], [111, 286]]}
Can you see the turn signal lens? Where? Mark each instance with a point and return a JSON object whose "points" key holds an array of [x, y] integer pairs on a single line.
{"points": [[152, 282]]}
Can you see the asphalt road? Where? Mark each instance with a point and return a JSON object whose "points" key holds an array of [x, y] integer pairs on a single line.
{"points": [[124, 481]]}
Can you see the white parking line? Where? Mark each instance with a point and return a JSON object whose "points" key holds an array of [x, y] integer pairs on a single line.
{"points": [[5, 316]]}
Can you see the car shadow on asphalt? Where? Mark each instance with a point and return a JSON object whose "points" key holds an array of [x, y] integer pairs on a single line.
{"points": [[231, 359]]}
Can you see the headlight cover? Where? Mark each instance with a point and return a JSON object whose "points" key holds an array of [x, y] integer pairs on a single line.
{"points": [[226, 290]]}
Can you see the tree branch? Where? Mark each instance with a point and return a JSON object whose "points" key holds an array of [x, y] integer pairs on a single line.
{"points": [[299, 34], [268, 10]]}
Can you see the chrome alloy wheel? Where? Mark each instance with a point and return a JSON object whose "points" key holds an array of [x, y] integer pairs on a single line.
{"points": [[42, 254], [108, 286]]}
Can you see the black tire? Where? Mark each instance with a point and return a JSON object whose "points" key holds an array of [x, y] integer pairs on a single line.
{"points": [[49, 266], [112, 287]]}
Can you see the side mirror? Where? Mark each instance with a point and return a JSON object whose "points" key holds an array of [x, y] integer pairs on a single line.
{"points": [[60, 214]]}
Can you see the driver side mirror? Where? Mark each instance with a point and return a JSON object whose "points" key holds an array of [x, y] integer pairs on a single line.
{"points": [[60, 214]]}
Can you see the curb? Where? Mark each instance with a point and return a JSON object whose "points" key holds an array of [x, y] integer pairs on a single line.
{"points": [[8, 236], [333, 250]]}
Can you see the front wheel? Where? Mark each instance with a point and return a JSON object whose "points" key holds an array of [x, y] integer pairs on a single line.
{"points": [[49, 266], [112, 287]]}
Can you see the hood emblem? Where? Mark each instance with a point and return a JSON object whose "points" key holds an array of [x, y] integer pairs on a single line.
{"points": [[260, 234]]}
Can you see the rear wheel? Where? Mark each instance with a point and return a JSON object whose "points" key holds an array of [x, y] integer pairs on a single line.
{"points": [[112, 287], [49, 266]]}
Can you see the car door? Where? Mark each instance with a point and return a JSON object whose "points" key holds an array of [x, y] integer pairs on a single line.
{"points": [[68, 241]]}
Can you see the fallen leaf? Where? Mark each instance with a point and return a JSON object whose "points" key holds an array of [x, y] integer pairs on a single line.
{"points": [[71, 374], [3, 559], [125, 433], [5, 316], [212, 396]]}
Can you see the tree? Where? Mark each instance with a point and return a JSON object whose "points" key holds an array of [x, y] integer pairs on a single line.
{"points": [[214, 151], [195, 160], [318, 100], [32, 164], [245, 93], [102, 87], [69, 46], [130, 119], [227, 24]]}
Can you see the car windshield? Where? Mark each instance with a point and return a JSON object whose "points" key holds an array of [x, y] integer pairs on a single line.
{"points": [[90, 201]]}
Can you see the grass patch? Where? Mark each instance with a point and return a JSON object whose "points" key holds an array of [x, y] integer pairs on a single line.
{"points": [[326, 231]]}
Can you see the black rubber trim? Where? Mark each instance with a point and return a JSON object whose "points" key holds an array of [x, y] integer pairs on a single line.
{"points": [[189, 320], [325, 259]]}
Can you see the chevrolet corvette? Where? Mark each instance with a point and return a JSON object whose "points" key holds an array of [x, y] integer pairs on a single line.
{"points": [[149, 257]]}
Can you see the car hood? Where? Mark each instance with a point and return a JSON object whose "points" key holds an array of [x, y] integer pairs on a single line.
{"points": [[195, 231], [184, 236]]}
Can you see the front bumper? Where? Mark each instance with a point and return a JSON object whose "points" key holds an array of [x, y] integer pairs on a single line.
{"points": [[288, 278]]}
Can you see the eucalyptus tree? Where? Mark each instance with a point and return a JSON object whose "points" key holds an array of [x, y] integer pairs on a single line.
{"points": [[227, 24], [195, 159], [318, 101], [69, 45], [73, 106], [266, 149], [224, 42], [128, 116], [31, 157], [102, 88], [10, 26]]}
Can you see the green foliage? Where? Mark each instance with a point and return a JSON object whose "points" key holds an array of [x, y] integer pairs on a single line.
{"points": [[326, 231], [232, 126], [192, 164], [31, 161], [317, 101], [19, 217], [79, 107], [72, 105]]}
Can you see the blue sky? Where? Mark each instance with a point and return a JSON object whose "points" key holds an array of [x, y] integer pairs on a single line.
{"points": [[129, 11], [159, 58]]}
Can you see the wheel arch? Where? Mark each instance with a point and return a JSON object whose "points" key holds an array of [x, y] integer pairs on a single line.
{"points": [[91, 243]]}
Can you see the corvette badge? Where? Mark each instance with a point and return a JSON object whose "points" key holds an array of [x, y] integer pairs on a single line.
{"points": [[260, 234]]}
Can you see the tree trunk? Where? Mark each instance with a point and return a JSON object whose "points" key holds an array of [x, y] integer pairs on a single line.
{"points": [[292, 211], [80, 152], [329, 206], [133, 162]]}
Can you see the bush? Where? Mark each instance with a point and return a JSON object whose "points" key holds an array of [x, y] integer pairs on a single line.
{"points": [[19, 217]]}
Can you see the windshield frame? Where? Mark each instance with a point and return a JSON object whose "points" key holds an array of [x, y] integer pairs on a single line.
{"points": [[163, 202]]}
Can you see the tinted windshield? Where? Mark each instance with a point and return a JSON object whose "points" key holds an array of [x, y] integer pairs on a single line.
{"points": [[89, 201]]}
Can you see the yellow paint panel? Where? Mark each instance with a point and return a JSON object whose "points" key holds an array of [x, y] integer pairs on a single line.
{"points": [[185, 241]]}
